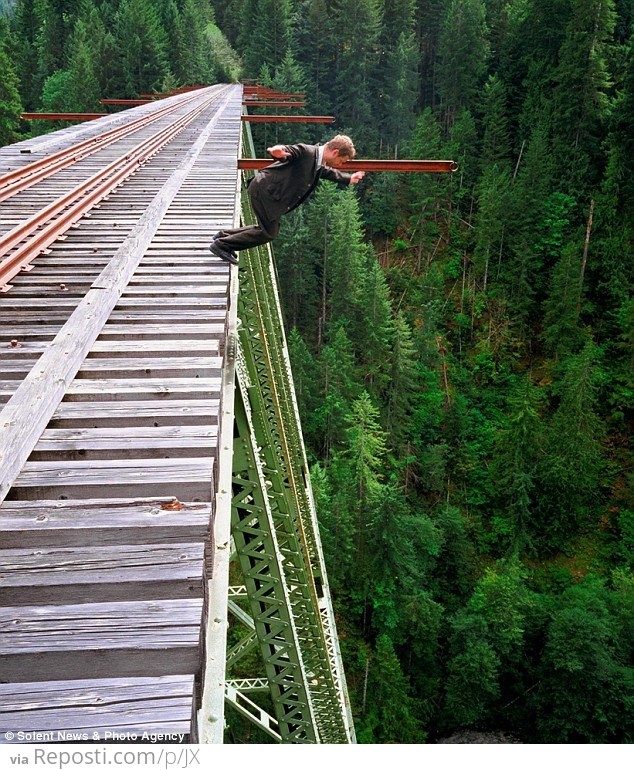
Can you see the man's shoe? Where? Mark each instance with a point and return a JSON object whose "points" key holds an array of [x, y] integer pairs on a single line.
{"points": [[219, 251]]}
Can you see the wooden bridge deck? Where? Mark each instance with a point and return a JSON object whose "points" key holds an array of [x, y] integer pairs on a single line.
{"points": [[112, 351]]}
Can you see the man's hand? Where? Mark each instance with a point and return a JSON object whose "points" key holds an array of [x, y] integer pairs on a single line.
{"points": [[279, 152], [357, 177]]}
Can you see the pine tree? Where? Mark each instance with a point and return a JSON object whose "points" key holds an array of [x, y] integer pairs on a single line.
{"points": [[463, 50], [357, 27], [399, 70], [10, 107], [580, 94], [573, 467], [84, 84], [25, 24], [391, 710], [142, 44], [518, 453]]}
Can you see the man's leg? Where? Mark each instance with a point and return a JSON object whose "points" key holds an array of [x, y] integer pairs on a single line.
{"points": [[229, 241]]}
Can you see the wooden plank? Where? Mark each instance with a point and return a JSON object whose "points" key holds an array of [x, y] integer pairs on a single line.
{"points": [[160, 705], [100, 574], [132, 388], [206, 366], [115, 472], [28, 524], [71, 414], [136, 342], [117, 639], [126, 443]]}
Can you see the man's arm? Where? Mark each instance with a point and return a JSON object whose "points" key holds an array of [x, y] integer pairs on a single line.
{"points": [[279, 151], [341, 177]]}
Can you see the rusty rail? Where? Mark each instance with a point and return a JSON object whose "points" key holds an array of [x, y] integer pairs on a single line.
{"points": [[20, 178], [48, 224]]}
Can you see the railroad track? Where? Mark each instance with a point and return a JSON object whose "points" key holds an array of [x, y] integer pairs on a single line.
{"points": [[113, 319]]}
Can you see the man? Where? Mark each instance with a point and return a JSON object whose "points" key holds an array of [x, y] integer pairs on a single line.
{"points": [[284, 185]]}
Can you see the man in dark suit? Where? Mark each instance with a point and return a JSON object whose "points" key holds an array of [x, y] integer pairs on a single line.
{"points": [[284, 185]]}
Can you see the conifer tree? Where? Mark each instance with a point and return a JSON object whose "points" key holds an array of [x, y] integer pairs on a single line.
{"points": [[10, 106], [84, 84], [573, 467], [518, 454], [142, 44], [463, 50], [580, 93], [25, 24], [391, 710]]}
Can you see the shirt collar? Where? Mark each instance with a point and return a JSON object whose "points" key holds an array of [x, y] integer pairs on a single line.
{"points": [[320, 156]]}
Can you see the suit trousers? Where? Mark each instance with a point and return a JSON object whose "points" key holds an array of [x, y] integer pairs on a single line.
{"points": [[255, 235]]}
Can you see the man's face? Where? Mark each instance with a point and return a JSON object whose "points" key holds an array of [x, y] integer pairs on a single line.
{"points": [[333, 159]]}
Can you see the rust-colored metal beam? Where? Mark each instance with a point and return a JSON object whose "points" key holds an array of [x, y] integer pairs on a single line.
{"points": [[62, 115], [250, 103], [288, 118], [407, 166], [128, 102], [272, 95]]}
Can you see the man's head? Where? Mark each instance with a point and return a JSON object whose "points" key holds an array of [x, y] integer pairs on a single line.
{"points": [[338, 150]]}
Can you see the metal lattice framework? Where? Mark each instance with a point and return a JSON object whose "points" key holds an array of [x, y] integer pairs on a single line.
{"points": [[275, 532]]}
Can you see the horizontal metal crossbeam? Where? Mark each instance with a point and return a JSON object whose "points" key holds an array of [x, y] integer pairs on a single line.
{"points": [[407, 166]]}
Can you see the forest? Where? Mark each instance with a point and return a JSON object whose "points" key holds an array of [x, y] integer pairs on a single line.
{"points": [[461, 344]]}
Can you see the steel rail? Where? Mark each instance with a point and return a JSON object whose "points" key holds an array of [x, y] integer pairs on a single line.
{"points": [[20, 178], [74, 204]]}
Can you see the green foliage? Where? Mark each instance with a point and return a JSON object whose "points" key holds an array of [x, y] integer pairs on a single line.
{"points": [[586, 684], [10, 106]]}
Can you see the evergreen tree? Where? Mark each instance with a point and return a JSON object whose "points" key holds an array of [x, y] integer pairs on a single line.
{"points": [[496, 141], [585, 677], [10, 106], [85, 89], [142, 44], [519, 448], [573, 468], [357, 27], [463, 50], [25, 24], [266, 34], [398, 68], [391, 712], [580, 93]]}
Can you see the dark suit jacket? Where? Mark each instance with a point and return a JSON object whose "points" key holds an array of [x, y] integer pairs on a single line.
{"points": [[285, 184]]}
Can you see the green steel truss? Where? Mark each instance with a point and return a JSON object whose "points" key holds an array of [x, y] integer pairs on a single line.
{"points": [[276, 535]]}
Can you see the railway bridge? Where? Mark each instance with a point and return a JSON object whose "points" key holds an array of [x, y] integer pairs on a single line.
{"points": [[149, 442], [157, 528]]}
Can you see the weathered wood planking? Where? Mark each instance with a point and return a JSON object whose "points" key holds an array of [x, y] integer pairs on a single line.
{"points": [[173, 412], [100, 574], [119, 638], [139, 420], [159, 706], [28, 524], [184, 478]]}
